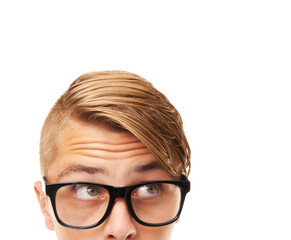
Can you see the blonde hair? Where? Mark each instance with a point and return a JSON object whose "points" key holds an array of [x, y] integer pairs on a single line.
{"points": [[121, 101]]}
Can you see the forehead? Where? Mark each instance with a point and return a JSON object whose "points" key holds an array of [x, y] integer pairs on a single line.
{"points": [[78, 132], [87, 149]]}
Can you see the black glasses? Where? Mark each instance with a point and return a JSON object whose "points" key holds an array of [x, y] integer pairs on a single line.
{"points": [[83, 205]]}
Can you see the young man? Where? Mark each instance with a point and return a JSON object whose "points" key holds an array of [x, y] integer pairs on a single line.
{"points": [[114, 160]]}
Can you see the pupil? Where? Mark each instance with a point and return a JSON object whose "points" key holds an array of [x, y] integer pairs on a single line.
{"points": [[92, 191], [151, 188]]}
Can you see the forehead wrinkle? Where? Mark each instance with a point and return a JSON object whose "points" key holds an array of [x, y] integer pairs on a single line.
{"points": [[106, 155], [104, 151], [109, 147]]}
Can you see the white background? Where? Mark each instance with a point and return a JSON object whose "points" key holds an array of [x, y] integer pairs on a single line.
{"points": [[224, 64]]}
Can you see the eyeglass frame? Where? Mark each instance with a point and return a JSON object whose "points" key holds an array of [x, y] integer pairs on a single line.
{"points": [[115, 193]]}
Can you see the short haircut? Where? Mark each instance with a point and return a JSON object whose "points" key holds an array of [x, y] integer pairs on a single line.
{"points": [[120, 101]]}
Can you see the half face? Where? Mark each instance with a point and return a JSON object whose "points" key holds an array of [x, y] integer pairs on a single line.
{"points": [[90, 153]]}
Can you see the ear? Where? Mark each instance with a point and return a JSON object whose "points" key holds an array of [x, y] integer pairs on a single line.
{"points": [[43, 203]]}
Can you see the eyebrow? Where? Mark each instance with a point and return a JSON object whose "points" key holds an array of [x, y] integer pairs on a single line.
{"points": [[93, 170], [80, 168], [146, 167]]}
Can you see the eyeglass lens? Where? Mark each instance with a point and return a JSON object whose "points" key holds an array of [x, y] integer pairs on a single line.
{"points": [[84, 205]]}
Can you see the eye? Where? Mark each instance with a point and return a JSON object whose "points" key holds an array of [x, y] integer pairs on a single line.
{"points": [[87, 192], [148, 190]]}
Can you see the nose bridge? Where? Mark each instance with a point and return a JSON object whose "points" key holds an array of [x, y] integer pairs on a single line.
{"points": [[119, 224], [120, 192]]}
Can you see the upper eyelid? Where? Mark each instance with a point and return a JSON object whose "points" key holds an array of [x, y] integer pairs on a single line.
{"points": [[160, 186]]}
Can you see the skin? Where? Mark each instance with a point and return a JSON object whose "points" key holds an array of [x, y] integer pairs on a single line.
{"points": [[95, 154]]}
